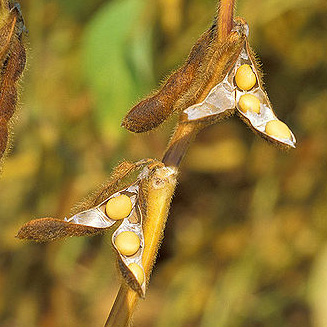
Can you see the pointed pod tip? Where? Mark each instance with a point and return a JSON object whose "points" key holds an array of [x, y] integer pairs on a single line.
{"points": [[132, 126], [38, 230], [50, 229]]}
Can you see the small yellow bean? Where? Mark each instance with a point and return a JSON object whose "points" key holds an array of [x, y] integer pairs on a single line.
{"points": [[137, 272], [249, 102], [245, 77], [127, 243], [119, 207], [278, 129]]}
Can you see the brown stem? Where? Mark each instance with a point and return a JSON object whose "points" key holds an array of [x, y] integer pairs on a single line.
{"points": [[179, 143], [186, 132], [225, 18]]}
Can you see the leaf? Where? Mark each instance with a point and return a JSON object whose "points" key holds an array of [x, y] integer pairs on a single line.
{"points": [[113, 50]]}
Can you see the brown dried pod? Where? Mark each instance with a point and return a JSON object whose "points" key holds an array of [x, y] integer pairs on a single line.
{"points": [[50, 229], [8, 101], [12, 60], [3, 136], [128, 205], [216, 65], [11, 71], [7, 30], [85, 223], [152, 111]]}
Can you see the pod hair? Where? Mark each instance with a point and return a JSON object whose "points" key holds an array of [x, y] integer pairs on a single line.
{"points": [[120, 178], [12, 60], [50, 229], [152, 111]]}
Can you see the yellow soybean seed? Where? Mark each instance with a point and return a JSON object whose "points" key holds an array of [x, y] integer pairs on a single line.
{"points": [[137, 272], [119, 207], [245, 77], [127, 243], [249, 102], [278, 129]]}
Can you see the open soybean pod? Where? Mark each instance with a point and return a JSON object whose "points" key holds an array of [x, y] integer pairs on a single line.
{"points": [[206, 66], [242, 88], [86, 223], [253, 104], [116, 207], [219, 100], [128, 241], [113, 203]]}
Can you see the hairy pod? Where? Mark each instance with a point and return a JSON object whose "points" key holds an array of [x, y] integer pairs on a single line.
{"points": [[121, 177], [206, 66], [12, 60], [3, 136], [51, 229], [240, 89], [6, 33], [152, 111], [214, 72]]}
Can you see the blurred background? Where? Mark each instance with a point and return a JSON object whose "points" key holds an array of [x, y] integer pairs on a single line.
{"points": [[246, 239]]}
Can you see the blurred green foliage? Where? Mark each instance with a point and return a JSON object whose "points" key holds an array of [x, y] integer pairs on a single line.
{"points": [[245, 243]]}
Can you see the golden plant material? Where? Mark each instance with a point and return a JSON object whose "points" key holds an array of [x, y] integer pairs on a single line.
{"points": [[127, 243], [12, 60], [161, 188], [50, 229], [245, 77], [180, 141], [278, 129], [249, 102], [119, 207], [137, 271], [137, 240]]}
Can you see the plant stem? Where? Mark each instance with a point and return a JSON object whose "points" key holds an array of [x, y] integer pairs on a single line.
{"points": [[123, 307], [184, 134], [160, 191], [225, 18]]}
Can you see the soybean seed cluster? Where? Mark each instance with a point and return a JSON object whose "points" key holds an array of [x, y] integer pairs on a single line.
{"points": [[245, 80]]}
